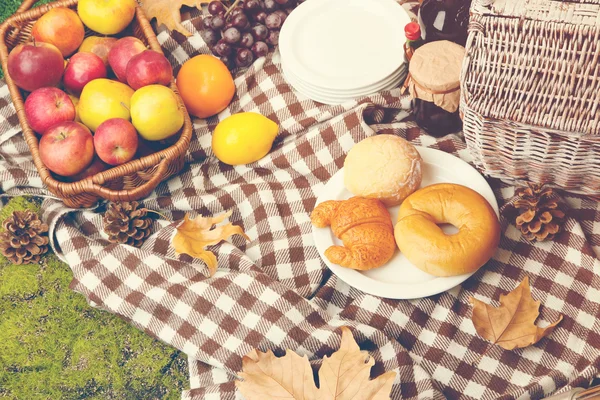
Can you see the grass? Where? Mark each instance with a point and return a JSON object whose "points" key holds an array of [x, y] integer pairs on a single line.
{"points": [[8, 7], [53, 345]]}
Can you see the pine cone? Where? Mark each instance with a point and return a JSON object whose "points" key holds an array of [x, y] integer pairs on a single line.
{"points": [[127, 223], [25, 238], [540, 218]]}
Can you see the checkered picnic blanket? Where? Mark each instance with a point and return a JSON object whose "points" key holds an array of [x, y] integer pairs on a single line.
{"points": [[274, 292]]}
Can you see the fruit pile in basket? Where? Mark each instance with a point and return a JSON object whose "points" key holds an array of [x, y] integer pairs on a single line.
{"points": [[113, 87]]}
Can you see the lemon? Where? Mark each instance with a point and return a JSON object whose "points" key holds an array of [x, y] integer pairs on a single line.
{"points": [[243, 138]]}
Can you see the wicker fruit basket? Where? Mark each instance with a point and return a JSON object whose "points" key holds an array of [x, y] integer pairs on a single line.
{"points": [[530, 91], [131, 181]]}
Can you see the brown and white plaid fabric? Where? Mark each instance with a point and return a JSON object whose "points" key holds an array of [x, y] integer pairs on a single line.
{"points": [[275, 293]]}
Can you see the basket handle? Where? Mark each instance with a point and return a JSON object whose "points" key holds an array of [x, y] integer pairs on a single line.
{"points": [[138, 192], [94, 186], [26, 5]]}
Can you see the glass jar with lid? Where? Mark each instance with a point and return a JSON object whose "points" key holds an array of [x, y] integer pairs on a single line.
{"points": [[434, 84]]}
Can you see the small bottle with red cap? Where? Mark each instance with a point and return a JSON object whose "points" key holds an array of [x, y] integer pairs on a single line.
{"points": [[412, 30]]}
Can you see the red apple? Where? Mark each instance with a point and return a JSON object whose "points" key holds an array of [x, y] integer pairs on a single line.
{"points": [[148, 68], [35, 65], [60, 26], [116, 141], [48, 106], [67, 148], [82, 68], [120, 54], [95, 167]]}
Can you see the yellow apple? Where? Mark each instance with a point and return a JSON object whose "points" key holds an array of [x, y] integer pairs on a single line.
{"points": [[98, 45], [102, 99], [107, 17], [155, 112]]}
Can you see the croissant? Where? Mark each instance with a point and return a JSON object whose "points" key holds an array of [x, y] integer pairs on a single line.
{"points": [[364, 226]]}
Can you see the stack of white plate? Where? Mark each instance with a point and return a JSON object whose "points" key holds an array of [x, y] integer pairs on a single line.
{"points": [[333, 51]]}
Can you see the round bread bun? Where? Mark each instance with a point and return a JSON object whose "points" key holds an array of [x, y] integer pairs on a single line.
{"points": [[383, 167], [424, 243]]}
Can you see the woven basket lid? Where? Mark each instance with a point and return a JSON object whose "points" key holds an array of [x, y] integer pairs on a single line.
{"points": [[435, 74]]}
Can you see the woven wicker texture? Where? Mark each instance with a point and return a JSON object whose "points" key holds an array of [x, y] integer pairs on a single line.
{"points": [[530, 93], [575, 12], [131, 181]]}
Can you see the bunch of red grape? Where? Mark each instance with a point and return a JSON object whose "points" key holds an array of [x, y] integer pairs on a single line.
{"points": [[247, 31]]}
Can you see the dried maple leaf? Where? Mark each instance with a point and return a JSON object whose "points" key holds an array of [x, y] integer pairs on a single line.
{"points": [[343, 376], [512, 324], [193, 235], [168, 12]]}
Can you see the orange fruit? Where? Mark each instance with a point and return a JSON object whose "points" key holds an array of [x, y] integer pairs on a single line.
{"points": [[205, 85]]}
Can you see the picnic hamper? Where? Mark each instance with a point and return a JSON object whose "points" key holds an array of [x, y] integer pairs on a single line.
{"points": [[131, 181], [530, 92]]}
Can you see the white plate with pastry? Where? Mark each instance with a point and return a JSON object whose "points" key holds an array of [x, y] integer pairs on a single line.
{"points": [[452, 254]]}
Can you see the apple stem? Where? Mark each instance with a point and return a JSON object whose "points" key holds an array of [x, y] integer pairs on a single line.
{"points": [[157, 213], [125, 106]]}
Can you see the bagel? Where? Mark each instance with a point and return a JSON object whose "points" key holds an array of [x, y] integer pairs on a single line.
{"points": [[424, 243]]}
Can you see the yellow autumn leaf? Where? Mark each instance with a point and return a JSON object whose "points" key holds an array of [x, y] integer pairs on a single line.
{"points": [[512, 324], [194, 235], [343, 376], [168, 12]]}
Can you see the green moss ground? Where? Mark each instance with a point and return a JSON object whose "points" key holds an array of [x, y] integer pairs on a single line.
{"points": [[53, 345]]}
